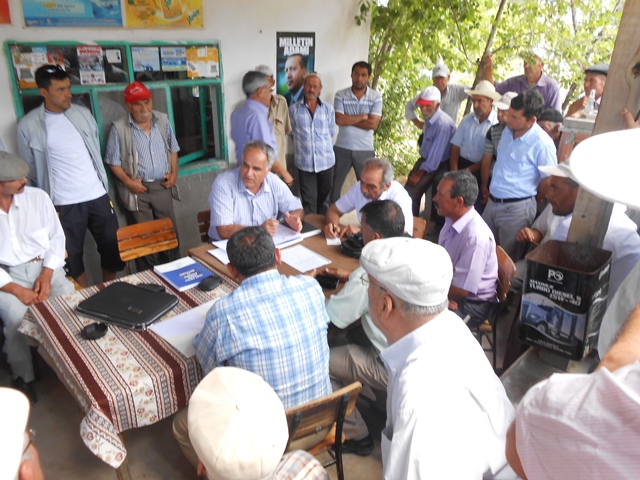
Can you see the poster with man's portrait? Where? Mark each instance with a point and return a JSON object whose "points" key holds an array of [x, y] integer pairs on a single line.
{"points": [[296, 54]]}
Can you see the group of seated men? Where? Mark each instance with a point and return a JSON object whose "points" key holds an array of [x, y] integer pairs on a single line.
{"points": [[276, 326]]}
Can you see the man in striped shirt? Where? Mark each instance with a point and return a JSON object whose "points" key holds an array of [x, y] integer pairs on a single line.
{"points": [[313, 124], [142, 153]]}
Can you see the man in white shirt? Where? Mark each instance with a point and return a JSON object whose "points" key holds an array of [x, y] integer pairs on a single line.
{"points": [[447, 412], [376, 183], [31, 261], [59, 140]]}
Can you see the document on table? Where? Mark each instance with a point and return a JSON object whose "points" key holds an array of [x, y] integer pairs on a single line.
{"points": [[303, 259], [180, 330], [283, 238], [334, 241], [220, 254]]}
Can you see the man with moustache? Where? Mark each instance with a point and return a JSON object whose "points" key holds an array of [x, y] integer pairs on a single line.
{"points": [[314, 125], [295, 69], [358, 112], [142, 153], [595, 78], [31, 259]]}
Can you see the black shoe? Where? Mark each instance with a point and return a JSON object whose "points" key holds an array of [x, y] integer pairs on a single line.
{"points": [[362, 447], [26, 388]]}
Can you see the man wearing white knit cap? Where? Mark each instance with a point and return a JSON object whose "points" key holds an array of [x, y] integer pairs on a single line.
{"points": [[238, 428], [18, 456], [447, 412]]}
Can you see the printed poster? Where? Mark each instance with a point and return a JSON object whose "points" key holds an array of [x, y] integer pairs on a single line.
{"points": [[174, 59], [164, 13], [26, 64], [72, 13], [202, 62], [296, 55], [91, 65], [5, 14], [145, 59]]}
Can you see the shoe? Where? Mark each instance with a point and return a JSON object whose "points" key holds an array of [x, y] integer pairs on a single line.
{"points": [[362, 447], [26, 388]]}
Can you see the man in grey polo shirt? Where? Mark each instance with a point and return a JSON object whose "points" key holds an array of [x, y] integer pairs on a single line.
{"points": [[358, 112]]}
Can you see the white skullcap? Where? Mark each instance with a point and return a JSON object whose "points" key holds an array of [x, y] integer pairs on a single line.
{"points": [[237, 425], [14, 414], [415, 270]]}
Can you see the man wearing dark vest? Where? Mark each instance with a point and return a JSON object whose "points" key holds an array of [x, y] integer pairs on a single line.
{"points": [[142, 153]]}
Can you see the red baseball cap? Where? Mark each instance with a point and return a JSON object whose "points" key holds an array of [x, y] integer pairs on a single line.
{"points": [[135, 92]]}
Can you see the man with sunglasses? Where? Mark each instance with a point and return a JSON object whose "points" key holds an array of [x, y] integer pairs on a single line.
{"points": [[60, 142]]}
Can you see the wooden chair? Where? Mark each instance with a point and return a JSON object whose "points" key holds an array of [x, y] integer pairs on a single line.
{"points": [[204, 219], [323, 419], [135, 241], [488, 329], [419, 226]]}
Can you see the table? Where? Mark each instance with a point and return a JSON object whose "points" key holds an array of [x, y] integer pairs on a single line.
{"points": [[124, 380], [317, 243]]}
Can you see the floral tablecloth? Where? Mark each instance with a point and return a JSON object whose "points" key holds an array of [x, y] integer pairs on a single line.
{"points": [[125, 379]]}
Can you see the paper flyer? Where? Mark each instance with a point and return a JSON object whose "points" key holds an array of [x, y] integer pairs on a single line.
{"points": [[174, 59], [202, 62], [164, 13], [5, 14], [91, 65], [26, 64], [295, 56], [72, 13], [145, 59]]}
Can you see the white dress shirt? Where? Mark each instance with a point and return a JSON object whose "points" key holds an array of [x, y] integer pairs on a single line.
{"points": [[581, 426], [30, 229], [447, 411]]}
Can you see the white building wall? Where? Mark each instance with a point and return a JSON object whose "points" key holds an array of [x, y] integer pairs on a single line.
{"points": [[246, 30]]}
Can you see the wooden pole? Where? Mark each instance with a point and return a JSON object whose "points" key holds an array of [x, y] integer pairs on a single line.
{"points": [[591, 214]]}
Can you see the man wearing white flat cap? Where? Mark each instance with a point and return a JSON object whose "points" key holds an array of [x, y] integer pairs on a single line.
{"points": [[238, 428], [434, 151], [18, 455], [447, 412]]}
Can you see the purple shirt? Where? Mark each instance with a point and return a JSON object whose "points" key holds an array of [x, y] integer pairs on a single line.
{"points": [[546, 86], [435, 147], [472, 248], [250, 122]]}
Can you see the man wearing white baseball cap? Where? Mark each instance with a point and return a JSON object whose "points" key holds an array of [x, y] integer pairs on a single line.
{"points": [[238, 428], [18, 456], [584, 425], [437, 131], [447, 412]]}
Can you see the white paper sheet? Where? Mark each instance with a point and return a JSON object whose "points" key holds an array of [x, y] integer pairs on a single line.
{"points": [[221, 244], [333, 241], [180, 330], [303, 259], [220, 254], [284, 237]]}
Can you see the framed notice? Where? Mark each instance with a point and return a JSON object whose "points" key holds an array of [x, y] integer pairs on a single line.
{"points": [[296, 53], [5, 14], [202, 62], [164, 13], [72, 13]]}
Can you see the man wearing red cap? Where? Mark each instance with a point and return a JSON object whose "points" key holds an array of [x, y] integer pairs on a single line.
{"points": [[142, 153]]}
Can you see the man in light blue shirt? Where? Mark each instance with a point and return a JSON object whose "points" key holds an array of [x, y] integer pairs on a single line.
{"points": [[250, 121], [313, 125], [251, 195], [523, 147], [467, 144], [435, 148]]}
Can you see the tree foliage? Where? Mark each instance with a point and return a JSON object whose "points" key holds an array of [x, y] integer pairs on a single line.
{"points": [[408, 36]]}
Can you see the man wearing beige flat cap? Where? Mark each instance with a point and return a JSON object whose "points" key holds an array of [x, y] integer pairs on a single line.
{"points": [[443, 396], [238, 429], [31, 259], [467, 144]]}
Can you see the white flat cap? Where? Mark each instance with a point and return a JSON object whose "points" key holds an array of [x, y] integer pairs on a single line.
{"points": [[560, 170], [415, 270], [237, 425], [608, 165], [13, 421], [505, 101]]}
